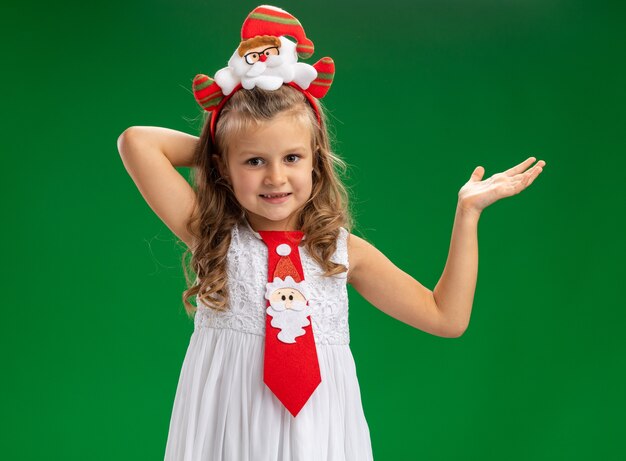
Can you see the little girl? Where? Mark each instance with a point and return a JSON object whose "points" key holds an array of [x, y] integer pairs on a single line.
{"points": [[268, 373]]}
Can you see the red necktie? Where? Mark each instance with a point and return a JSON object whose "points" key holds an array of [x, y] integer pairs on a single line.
{"points": [[291, 368]]}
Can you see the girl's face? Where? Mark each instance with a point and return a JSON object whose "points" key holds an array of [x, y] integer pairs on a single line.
{"points": [[271, 172]]}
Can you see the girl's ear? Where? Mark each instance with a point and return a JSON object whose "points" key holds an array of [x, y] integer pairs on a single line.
{"points": [[220, 166]]}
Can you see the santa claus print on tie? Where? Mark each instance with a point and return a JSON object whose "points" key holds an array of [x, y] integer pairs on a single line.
{"points": [[288, 308]]}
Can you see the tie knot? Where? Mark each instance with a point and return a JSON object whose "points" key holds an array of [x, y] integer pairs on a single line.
{"points": [[283, 254]]}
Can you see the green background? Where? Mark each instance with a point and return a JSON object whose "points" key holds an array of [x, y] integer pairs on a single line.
{"points": [[93, 330]]}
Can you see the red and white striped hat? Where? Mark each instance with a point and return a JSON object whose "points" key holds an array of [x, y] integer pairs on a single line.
{"points": [[270, 20]]}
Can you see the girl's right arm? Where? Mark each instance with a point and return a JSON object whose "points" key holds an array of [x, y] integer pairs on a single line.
{"points": [[150, 155]]}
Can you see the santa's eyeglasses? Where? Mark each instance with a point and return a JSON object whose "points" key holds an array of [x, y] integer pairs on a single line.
{"points": [[254, 56]]}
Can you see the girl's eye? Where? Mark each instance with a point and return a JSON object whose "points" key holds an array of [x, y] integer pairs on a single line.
{"points": [[254, 161], [292, 158]]}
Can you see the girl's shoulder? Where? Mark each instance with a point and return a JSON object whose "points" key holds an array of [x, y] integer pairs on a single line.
{"points": [[361, 254], [354, 251]]}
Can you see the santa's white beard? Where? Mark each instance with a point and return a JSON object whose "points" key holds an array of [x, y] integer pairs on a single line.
{"points": [[272, 66], [290, 321], [257, 69], [268, 75]]}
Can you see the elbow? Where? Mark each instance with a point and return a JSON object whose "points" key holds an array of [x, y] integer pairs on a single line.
{"points": [[451, 327], [124, 139], [457, 334], [446, 331], [455, 331]]}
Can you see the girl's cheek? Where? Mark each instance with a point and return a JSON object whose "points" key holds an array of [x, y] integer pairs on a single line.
{"points": [[249, 181]]}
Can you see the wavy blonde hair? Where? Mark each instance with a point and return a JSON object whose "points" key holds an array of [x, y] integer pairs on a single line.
{"points": [[217, 209]]}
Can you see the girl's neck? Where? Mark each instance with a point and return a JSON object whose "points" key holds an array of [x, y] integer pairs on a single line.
{"points": [[256, 226], [256, 231]]}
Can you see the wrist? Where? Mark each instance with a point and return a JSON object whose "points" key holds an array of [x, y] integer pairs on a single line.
{"points": [[466, 211]]}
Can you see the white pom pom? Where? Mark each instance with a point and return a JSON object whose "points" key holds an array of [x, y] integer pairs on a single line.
{"points": [[283, 249]]}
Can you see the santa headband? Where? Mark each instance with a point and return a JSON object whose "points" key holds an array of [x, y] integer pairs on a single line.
{"points": [[266, 59]]}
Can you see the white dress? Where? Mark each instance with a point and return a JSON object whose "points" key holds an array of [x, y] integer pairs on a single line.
{"points": [[224, 411]]}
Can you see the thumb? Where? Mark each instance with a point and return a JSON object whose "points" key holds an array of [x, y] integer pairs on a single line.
{"points": [[477, 174]]}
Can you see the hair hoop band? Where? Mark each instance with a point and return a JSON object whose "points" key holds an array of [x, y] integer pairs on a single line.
{"points": [[217, 111]]}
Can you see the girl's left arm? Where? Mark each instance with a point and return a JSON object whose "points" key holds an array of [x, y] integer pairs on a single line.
{"points": [[446, 310], [443, 312], [454, 293]]}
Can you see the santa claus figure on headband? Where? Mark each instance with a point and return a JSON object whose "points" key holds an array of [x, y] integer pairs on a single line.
{"points": [[265, 62], [266, 59]]}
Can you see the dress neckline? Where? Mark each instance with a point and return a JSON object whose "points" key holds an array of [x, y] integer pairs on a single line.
{"points": [[255, 233]]}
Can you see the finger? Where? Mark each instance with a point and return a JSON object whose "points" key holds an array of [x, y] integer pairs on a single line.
{"points": [[528, 177], [477, 174], [535, 170], [534, 175], [517, 169], [524, 181]]}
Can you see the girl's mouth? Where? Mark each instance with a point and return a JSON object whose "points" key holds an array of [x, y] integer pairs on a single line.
{"points": [[275, 198]]}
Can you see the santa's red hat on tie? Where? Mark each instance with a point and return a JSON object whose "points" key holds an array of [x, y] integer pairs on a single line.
{"points": [[285, 266]]}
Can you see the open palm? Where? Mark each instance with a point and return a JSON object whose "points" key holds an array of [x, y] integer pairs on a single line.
{"points": [[476, 194]]}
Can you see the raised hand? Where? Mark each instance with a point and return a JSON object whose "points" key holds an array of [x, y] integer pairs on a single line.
{"points": [[476, 195]]}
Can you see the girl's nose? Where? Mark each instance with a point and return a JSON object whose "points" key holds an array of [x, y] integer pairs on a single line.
{"points": [[275, 175]]}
